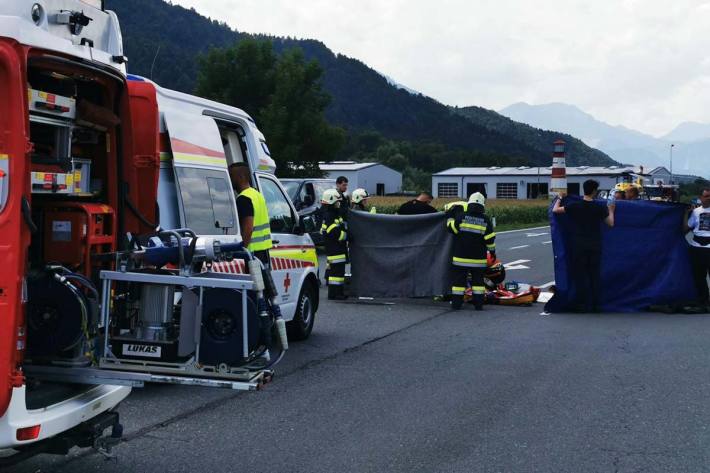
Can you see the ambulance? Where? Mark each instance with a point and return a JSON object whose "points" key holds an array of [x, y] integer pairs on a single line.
{"points": [[90, 159], [198, 140]]}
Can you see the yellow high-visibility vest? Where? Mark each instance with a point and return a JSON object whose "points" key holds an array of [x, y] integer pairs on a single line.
{"points": [[261, 234]]}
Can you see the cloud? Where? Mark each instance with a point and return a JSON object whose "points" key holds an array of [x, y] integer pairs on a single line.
{"points": [[640, 63]]}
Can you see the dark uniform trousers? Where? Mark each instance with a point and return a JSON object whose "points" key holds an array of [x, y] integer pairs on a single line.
{"points": [[700, 261], [473, 238], [336, 250], [585, 266], [459, 283]]}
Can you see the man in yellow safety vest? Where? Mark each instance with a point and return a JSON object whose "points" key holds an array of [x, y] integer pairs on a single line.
{"points": [[254, 220]]}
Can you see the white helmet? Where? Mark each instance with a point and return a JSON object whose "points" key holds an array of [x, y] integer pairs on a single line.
{"points": [[330, 197], [477, 198], [359, 195]]}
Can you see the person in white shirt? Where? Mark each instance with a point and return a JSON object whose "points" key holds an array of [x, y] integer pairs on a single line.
{"points": [[698, 222]]}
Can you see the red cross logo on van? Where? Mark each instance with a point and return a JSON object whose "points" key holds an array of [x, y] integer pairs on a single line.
{"points": [[287, 282]]}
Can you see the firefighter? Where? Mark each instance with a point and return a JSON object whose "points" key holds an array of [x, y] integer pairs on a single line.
{"points": [[453, 208], [359, 201], [336, 249], [473, 239]]}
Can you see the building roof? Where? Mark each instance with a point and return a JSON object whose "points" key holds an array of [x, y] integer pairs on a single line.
{"points": [[659, 169], [340, 166], [542, 171]]}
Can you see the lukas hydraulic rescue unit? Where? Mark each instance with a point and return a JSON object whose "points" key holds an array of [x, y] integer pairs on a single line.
{"points": [[161, 316]]}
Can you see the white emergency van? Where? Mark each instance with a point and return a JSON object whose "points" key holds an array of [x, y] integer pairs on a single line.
{"points": [[199, 140]]}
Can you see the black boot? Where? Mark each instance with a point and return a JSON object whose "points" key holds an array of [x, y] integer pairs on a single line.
{"points": [[336, 293]]}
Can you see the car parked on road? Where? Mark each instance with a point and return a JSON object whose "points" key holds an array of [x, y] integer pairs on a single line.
{"points": [[305, 195]]}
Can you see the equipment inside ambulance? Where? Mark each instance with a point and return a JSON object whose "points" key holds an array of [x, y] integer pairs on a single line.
{"points": [[122, 261]]}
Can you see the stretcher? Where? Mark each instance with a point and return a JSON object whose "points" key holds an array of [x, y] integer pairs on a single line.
{"points": [[525, 295]]}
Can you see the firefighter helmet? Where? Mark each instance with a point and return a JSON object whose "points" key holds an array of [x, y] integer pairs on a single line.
{"points": [[477, 198], [330, 197], [359, 195]]}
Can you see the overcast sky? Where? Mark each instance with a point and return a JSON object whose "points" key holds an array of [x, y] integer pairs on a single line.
{"points": [[644, 64]]}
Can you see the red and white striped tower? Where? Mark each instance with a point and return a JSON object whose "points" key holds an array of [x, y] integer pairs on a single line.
{"points": [[558, 181]]}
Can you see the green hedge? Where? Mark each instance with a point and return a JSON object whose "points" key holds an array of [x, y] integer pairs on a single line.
{"points": [[504, 215], [515, 215]]}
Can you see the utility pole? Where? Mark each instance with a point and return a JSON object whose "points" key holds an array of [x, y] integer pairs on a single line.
{"points": [[671, 152]]}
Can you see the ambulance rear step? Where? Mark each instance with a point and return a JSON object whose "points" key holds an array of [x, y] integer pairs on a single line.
{"points": [[90, 375]]}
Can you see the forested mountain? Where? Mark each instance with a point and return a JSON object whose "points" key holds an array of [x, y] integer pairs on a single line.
{"points": [[164, 41]]}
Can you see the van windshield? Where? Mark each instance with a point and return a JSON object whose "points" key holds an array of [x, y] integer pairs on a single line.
{"points": [[291, 188]]}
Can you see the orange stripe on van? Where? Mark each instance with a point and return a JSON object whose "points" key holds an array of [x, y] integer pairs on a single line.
{"points": [[180, 146]]}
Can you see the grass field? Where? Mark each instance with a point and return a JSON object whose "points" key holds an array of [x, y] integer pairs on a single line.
{"points": [[509, 214]]}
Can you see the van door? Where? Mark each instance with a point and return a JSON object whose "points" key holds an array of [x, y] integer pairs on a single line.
{"points": [[293, 253], [141, 168], [206, 203], [14, 203]]}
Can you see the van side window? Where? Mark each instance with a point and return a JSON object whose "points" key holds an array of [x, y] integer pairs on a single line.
{"points": [[221, 203], [280, 213], [207, 202]]}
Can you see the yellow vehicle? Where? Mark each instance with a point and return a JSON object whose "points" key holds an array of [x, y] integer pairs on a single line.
{"points": [[655, 192]]}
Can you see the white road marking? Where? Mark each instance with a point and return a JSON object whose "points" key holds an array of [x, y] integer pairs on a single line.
{"points": [[547, 242], [519, 247], [522, 230], [547, 284], [517, 264], [531, 235]]}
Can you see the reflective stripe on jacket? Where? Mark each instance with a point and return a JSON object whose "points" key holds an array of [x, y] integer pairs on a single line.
{"points": [[261, 234], [335, 235], [473, 236]]}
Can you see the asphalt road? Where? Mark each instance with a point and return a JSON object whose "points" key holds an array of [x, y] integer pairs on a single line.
{"points": [[527, 255], [412, 387]]}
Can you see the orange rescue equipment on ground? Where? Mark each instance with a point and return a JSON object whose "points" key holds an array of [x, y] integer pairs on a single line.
{"points": [[498, 292]]}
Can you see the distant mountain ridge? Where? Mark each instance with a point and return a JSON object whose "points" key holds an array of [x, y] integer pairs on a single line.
{"points": [[691, 153], [538, 137], [164, 41], [688, 132]]}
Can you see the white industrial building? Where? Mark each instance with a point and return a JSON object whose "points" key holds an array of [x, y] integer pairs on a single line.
{"points": [[375, 178], [526, 182], [661, 175]]}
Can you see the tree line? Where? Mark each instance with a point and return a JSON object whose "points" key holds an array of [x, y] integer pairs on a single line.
{"points": [[284, 95]]}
